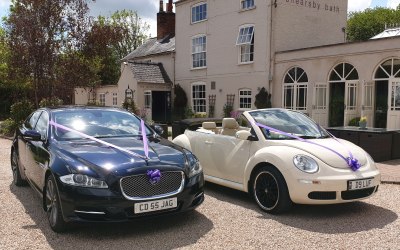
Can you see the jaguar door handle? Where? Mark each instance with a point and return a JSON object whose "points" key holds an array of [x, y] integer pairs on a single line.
{"points": [[209, 142]]}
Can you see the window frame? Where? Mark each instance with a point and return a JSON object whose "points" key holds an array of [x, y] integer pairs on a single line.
{"points": [[249, 7], [147, 99], [294, 89], [245, 48], [115, 99], [203, 51], [100, 99], [44, 134], [195, 99], [244, 96], [194, 7]]}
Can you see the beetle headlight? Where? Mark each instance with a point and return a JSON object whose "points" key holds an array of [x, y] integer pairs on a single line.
{"points": [[194, 165], [83, 181], [305, 164]]}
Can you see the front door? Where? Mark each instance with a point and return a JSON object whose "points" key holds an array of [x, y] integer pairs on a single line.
{"points": [[368, 100], [381, 103], [350, 101], [161, 106], [393, 114], [336, 104], [320, 104]]}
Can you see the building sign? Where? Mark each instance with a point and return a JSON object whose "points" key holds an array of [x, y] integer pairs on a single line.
{"points": [[316, 5]]}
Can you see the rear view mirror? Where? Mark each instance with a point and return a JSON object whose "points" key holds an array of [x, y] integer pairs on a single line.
{"points": [[32, 135]]}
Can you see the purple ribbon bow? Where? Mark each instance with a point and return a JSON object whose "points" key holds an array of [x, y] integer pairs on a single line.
{"points": [[154, 176]]}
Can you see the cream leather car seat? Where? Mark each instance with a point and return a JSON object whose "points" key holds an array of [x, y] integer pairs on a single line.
{"points": [[229, 126], [212, 126]]}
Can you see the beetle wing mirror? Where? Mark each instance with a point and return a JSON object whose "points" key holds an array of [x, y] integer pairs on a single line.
{"points": [[243, 135]]}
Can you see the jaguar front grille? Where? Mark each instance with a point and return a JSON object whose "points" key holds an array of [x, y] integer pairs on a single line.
{"points": [[139, 187]]}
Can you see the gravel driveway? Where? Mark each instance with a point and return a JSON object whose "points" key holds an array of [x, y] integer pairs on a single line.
{"points": [[227, 219]]}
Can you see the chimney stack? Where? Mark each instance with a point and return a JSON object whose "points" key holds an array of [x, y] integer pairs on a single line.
{"points": [[161, 6], [169, 7], [165, 21]]}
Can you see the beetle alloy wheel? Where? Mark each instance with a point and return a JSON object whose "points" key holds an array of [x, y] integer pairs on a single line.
{"points": [[266, 190], [51, 202]]}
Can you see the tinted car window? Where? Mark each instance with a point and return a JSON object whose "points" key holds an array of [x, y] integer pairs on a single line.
{"points": [[30, 122], [97, 123], [42, 124]]}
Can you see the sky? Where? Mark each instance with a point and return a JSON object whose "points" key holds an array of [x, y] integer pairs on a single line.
{"points": [[147, 9]]}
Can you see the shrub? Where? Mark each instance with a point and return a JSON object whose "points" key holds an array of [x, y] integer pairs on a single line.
{"points": [[180, 103], [93, 103], [50, 102], [20, 111], [131, 106], [227, 110], [8, 127], [354, 121], [263, 99], [200, 115], [188, 112], [236, 114]]}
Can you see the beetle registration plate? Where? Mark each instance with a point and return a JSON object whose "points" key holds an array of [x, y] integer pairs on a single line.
{"points": [[150, 206], [359, 184]]}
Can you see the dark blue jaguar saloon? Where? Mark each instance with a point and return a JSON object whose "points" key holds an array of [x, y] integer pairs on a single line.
{"points": [[102, 164]]}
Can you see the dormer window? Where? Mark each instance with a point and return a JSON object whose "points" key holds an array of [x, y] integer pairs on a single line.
{"points": [[246, 4], [199, 12]]}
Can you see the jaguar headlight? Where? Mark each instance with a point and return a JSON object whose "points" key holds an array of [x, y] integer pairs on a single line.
{"points": [[194, 165], [305, 164], [83, 181]]}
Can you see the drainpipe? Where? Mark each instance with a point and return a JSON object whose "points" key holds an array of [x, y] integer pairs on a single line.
{"points": [[271, 47]]}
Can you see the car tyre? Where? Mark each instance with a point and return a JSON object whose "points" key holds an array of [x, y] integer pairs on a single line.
{"points": [[17, 179], [270, 191], [53, 208]]}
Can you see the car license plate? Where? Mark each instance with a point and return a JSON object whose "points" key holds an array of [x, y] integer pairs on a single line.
{"points": [[359, 184], [150, 206]]}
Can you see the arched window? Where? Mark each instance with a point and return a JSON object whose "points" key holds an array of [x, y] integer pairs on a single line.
{"points": [[295, 89], [387, 75], [388, 69], [343, 72], [343, 92]]}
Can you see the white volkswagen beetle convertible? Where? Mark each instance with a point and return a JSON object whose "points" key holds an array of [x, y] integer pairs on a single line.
{"points": [[282, 157]]}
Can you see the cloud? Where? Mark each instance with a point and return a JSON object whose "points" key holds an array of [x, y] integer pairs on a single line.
{"points": [[393, 3], [357, 5], [145, 8]]}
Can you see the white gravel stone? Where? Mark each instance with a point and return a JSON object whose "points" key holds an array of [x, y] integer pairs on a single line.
{"points": [[228, 219]]}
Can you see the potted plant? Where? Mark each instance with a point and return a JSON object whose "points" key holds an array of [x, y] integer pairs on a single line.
{"points": [[363, 122]]}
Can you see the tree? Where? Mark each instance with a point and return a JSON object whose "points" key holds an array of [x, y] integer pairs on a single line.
{"points": [[112, 38], [180, 102], [39, 31], [263, 99], [133, 31], [362, 25]]}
